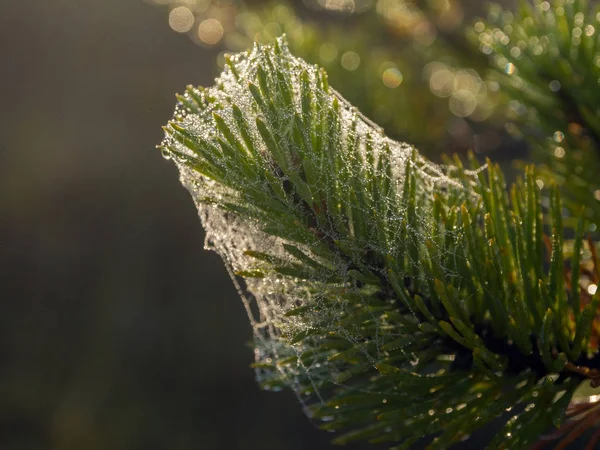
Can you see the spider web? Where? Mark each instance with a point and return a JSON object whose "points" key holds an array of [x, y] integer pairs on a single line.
{"points": [[233, 226]]}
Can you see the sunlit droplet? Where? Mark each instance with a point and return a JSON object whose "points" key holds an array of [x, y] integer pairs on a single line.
{"points": [[510, 68], [540, 183], [559, 152], [350, 61], [597, 194], [592, 288], [559, 136], [589, 30], [210, 31], [392, 78], [181, 19]]}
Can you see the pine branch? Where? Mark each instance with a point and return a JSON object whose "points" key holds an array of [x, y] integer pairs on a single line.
{"points": [[398, 298]]}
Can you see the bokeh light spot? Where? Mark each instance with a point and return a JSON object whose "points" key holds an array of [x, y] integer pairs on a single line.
{"points": [[210, 31], [350, 61], [328, 52], [345, 6], [181, 19], [424, 33], [392, 78], [441, 82], [462, 103], [559, 152], [555, 85], [589, 30]]}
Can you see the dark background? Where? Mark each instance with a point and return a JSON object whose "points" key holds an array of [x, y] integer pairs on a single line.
{"points": [[117, 330]]}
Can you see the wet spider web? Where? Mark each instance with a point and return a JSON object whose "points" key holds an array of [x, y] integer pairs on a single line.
{"points": [[248, 208]]}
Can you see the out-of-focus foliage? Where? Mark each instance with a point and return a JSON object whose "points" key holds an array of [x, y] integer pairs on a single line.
{"points": [[546, 58], [398, 61]]}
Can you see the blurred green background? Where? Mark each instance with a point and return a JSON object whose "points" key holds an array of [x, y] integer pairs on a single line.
{"points": [[117, 330]]}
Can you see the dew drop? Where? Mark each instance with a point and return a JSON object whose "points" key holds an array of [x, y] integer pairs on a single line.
{"points": [[510, 68]]}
